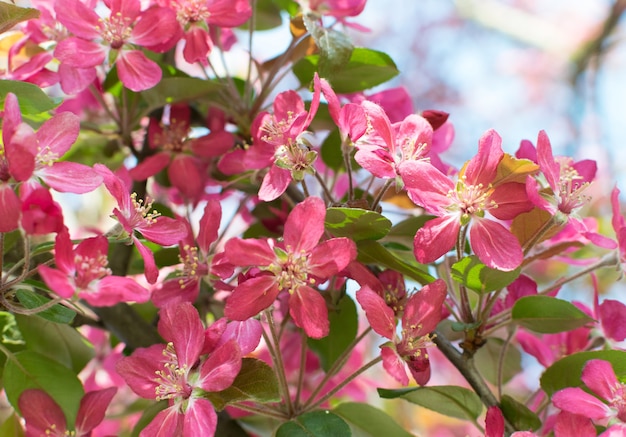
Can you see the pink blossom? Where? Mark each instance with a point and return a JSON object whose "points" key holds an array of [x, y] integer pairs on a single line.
{"points": [[599, 377], [83, 271], [180, 372], [420, 317], [295, 266], [465, 203], [494, 425], [43, 415], [98, 39], [279, 142], [40, 214], [135, 215]]}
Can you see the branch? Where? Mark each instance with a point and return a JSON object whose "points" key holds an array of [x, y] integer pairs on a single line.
{"points": [[465, 365]]}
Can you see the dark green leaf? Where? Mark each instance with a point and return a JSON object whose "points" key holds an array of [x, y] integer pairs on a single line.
{"points": [[548, 315], [519, 415], [31, 98], [343, 330], [10, 15], [368, 421], [331, 150], [61, 343], [267, 16], [372, 252], [357, 224], [366, 69], [487, 359], [404, 232], [256, 382], [476, 276], [315, 424], [335, 48], [168, 256], [566, 372], [57, 313], [33, 370], [449, 400]]}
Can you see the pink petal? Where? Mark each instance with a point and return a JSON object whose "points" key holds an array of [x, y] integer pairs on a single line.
{"points": [[426, 185], [138, 370], [612, 314], [200, 419], [78, 18], [537, 348], [380, 317], [305, 225], [70, 177], [435, 238], [246, 333], [229, 13], [275, 182], [57, 281], [331, 256], [11, 206], [172, 291], [352, 121], [376, 160], [511, 199], [92, 409], [112, 290], [568, 424], [155, 26], [59, 133], [249, 252], [308, 310], [41, 412], [575, 400], [209, 225], [137, 72], [198, 45], [423, 309], [181, 325], [74, 79], [394, 365], [494, 422], [380, 124], [495, 245], [213, 145], [151, 271], [482, 168], [166, 231], [221, 367], [545, 159], [599, 376], [150, 166], [79, 53], [251, 297], [167, 423], [186, 175]]}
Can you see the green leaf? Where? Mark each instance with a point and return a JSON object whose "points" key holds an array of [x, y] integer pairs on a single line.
{"points": [[60, 343], [357, 224], [476, 276], [548, 315], [31, 98], [335, 48], [267, 16], [331, 150], [256, 382], [34, 370], [315, 424], [366, 69], [178, 89], [518, 414], [487, 359], [449, 400], [404, 232], [343, 329], [567, 371], [368, 421], [9, 330], [57, 313], [372, 252], [10, 15]]}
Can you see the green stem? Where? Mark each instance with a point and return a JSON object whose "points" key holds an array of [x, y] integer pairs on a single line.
{"points": [[327, 192], [303, 350], [261, 411], [505, 347], [609, 259], [539, 234], [381, 193], [311, 406], [277, 359]]}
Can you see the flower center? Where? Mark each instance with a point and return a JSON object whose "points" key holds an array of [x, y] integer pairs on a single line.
{"points": [[172, 137], [470, 200], [571, 188], [191, 11], [172, 379], [292, 273], [90, 268], [295, 156], [142, 211], [115, 30], [275, 129]]}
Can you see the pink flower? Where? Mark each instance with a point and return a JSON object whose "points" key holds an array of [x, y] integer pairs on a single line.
{"points": [[420, 317], [115, 37], [295, 266], [40, 214], [195, 15], [135, 215], [83, 271], [180, 372], [494, 425], [43, 415], [599, 377], [465, 203], [279, 143]]}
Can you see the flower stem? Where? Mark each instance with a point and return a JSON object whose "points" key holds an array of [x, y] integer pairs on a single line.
{"points": [[261, 411], [381, 193], [609, 259], [302, 370], [277, 359]]}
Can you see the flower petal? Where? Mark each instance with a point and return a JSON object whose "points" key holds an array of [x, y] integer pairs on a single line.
{"points": [[575, 400], [495, 245], [221, 367], [380, 317], [308, 310], [251, 297], [305, 225], [92, 408]]}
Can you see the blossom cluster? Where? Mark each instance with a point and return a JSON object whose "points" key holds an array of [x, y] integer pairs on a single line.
{"points": [[254, 264]]}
